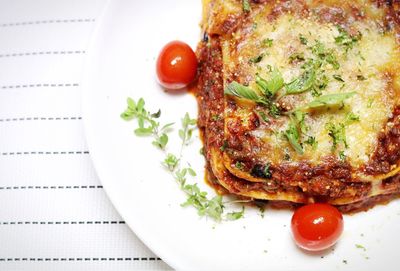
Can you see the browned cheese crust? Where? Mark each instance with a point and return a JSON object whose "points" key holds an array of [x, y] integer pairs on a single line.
{"points": [[351, 185]]}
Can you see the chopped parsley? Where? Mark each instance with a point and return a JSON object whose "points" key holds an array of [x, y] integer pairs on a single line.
{"points": [[350, 118], [267, 171], [360, 77], [342, 156], [303, 39], [296, 57], [338, 134], [320, 84], [319, 49], [361, 247], [316, 92], [324, 55], [331, 59], [268, 42], [261, 207], [263, 116], [338, 77], [274, 111], [246, 6], [215, 117], [286, 157], [257, 59], [312, 142], [261, 171], [301, 84], [239, 165], [224, 145], [346, 40]]}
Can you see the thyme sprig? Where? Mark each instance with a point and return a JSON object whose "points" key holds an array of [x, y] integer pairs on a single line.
{"points": [[149, 126], [147, 122]]}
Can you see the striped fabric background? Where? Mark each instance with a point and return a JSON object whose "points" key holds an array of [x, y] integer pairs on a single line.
{"points": [[54, 214]]}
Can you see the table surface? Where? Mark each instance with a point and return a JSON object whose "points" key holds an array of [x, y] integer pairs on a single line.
{"points": [[54, 213]]}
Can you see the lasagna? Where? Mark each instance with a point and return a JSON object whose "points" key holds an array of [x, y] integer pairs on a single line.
{"points": [[299, 100]]}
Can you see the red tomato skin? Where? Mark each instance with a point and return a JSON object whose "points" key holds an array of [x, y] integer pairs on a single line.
{"points": [[176, 65], [316, 226]]}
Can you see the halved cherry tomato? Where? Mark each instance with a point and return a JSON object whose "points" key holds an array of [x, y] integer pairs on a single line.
{"points": [[316, 226], [176, 65]]}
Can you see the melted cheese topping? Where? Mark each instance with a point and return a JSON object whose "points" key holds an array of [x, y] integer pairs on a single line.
{"points": [[370, 68]]}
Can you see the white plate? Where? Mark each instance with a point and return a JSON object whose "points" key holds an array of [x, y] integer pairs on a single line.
{"points": [[122, 64]]}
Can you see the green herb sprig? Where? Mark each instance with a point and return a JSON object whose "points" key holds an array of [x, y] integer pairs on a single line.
{"points": [[346, 40], [241, 91], [147, 122], [273, 85], [148, 126], [268, 88]]}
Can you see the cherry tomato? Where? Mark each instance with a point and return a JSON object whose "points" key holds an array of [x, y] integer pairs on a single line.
{"points": [[176, 65], [316, 226]]}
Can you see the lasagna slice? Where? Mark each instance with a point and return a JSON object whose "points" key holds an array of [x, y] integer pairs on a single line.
{"points": [[299, 100]]}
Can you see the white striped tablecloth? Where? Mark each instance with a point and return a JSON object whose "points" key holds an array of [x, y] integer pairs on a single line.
{"points": [[54, 214]]}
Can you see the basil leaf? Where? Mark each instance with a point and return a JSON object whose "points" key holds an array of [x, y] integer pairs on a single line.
{"points": [[299, 116], [271, 86], [302, 83], [293, 137], [276, 82], [244, 92], [328, 100]]}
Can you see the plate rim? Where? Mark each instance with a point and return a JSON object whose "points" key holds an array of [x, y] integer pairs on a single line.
{"points": [[85, 97]]}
